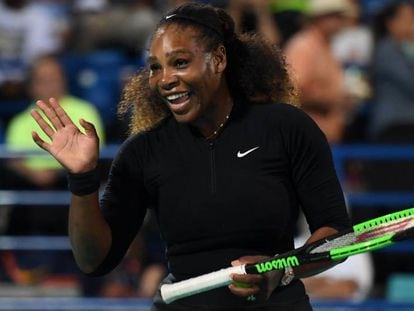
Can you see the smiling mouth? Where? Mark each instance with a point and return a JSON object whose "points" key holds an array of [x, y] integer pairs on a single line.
{"points": [[178, 98]]}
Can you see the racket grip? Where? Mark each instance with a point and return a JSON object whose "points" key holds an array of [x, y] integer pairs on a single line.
{"points": [[199, 284]]}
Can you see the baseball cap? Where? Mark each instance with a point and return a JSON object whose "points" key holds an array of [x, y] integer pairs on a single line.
{"points": [[326, 7]]}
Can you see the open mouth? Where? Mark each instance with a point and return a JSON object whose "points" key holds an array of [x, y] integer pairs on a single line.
{"points": [[178, 98]]}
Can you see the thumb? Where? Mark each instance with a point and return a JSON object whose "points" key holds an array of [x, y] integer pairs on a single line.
{"points": [[89, 128]]}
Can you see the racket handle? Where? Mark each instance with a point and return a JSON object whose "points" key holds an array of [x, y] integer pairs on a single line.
{"points": [[199, 284]]}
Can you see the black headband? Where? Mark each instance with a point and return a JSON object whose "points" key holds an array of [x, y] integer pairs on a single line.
{"points": [[195, 21]]}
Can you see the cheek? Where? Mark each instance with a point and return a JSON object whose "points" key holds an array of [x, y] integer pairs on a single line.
{"points": [[152, 81]]}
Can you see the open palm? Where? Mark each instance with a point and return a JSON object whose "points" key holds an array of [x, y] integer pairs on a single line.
{"points": [[76, 151]]}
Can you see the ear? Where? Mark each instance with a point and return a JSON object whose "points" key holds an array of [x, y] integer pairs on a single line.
{"points": [[220, 59]]}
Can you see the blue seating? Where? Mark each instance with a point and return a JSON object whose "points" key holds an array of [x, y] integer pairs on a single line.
{"points": [[98, 77], [400, 287]]}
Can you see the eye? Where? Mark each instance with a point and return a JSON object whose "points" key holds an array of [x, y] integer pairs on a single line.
{"points": [[154, 67], [181, 63]]}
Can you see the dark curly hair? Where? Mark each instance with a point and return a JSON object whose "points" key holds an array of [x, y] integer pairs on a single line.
{"points": [[255, 70]]}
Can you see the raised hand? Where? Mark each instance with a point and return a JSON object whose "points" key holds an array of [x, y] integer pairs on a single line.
{"points": [[74, 150]]}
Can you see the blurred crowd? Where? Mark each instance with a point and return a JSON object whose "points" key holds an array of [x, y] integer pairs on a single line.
{"points": [[352, 62]]}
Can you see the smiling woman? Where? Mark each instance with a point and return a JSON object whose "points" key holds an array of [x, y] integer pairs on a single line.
{"points": [[195, 52], [219, 156], [189, 78]]}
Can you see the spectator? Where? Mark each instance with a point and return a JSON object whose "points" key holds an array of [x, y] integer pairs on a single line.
{"points": [[319, 75], [254, 16], [119, 24], [46, 80], [392, 118], [353, 47], [393, 74], [26, 32]]}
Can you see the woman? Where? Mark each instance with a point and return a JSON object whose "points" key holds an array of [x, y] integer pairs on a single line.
{"points": [[393, 74], [224, 167]]}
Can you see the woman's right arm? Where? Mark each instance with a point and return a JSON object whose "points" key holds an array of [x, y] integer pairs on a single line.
{"points": [[77, 152], [89, 233]]}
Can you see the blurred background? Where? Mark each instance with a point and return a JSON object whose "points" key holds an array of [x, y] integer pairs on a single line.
{"points": [[353, 64]]}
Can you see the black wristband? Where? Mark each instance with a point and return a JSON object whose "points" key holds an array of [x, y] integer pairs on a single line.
{"points": [[84, 183]]}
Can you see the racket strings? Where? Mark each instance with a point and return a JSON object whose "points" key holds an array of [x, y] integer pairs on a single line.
{"points": [[386, 228], [341, 241], [351, 238]]}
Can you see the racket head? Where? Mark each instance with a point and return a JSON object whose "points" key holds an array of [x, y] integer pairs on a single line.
{"points": [[369, 235]]}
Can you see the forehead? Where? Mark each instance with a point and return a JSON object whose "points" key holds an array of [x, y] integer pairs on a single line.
{"points": [[47, 66], [173, 37]]}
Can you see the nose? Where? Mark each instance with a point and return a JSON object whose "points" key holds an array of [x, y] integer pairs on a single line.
{"points": [[169, 80]]}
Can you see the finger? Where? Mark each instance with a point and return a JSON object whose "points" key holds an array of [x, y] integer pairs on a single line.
{"points": [[89, 128], [248, 259], [60, 112], [40, 142], [42, 123], [51, 114], [244, 291], [248, 278]]}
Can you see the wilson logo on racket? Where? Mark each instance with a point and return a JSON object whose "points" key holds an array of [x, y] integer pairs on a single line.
{"points": [[277, 264]]}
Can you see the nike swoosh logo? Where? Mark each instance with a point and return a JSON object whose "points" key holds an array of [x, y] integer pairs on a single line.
{"points": [[243, 154]]}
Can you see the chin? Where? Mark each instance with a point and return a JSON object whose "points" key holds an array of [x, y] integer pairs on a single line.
{"points": [[190, 116], [183, 118]]}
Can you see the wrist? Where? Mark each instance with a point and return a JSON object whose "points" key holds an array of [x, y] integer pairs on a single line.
{"points": [[287, 277], [84, 183]]}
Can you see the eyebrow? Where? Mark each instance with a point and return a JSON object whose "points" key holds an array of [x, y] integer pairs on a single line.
{"points": [[170, 54]]}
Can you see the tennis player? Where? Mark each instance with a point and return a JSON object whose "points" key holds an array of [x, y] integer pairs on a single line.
{"points": [[217, 151]]}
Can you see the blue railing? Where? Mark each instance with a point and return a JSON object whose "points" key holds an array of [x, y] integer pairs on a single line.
{"points": [[136, 304]]}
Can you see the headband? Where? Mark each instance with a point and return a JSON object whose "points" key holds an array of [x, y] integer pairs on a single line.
{"points": [[195, 21]]}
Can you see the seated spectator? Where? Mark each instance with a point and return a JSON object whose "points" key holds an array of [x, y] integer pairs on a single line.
{"points": [[26, 32], [119, 24], [319, 75], [392, 117], [254, 16], [46, 80], [353, 47]]}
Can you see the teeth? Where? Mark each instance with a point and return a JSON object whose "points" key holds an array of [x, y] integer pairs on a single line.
{"points": [[176, 96]]}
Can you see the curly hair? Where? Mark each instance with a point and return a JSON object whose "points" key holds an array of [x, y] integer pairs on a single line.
{"points": [[256, 70]]}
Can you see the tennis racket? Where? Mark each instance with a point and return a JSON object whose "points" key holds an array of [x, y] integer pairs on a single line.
{"points": [[364, 237]]}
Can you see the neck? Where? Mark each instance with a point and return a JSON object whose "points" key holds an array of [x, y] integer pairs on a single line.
{"points": [[215, 117], [211, 127]]}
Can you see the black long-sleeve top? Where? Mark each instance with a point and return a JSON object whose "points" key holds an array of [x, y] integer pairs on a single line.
{"points": [[233, 196]]}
